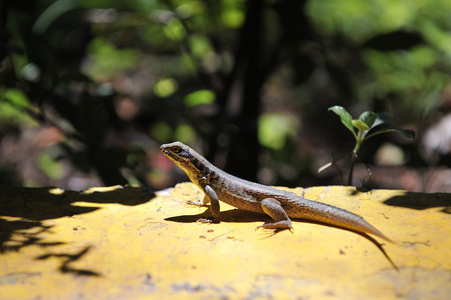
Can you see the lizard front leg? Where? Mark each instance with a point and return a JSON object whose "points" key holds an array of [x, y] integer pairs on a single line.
{"points": [[212, 198], [274, 209]]}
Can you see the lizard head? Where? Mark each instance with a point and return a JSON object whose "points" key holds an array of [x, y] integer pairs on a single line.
{"points": [[186, 158]]}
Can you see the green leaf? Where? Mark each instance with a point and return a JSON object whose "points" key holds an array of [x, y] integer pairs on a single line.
{"points": [[185, 133], [165, 87], [161, 131], [174, 30], [345, 117], [199, 45], [361, 126], [368, 118], [51, 13], [13, 107], [275, 128], [48, 162], [199, 97], [17, 98], [108, 60], [385, 127], [382, 118]]}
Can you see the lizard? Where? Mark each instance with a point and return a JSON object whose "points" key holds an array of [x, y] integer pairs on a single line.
{"points": [[280, 205]]}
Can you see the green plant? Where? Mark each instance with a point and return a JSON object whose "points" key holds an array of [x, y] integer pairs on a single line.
{"points": [[368, 125]]}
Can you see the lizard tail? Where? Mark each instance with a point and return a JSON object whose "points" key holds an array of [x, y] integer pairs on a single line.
{"points": [[342, 218], [372, 230]]}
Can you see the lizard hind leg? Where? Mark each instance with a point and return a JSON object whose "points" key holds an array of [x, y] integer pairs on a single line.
{"points": [[274, 209]]}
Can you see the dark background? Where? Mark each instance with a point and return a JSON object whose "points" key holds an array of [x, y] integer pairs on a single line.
{"points": [[90, 89]]}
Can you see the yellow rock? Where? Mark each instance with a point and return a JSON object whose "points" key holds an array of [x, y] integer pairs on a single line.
{"points": [[121, 243]]}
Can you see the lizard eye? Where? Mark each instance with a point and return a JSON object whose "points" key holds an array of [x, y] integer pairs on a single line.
{"points": [[177, 149]]}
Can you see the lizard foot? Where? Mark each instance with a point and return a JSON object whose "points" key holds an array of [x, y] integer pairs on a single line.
{"points": [[278, 226], [196, 203]]}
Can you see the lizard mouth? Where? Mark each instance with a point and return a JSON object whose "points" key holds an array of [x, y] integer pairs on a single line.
{"points": [[168, 153], [171, 155]]}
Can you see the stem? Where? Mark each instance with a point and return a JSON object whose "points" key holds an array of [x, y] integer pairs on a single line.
{"points": [[359, 142], [351, 171]]}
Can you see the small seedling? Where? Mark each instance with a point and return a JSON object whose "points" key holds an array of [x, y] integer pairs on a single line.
{"points": [[368, 125]]}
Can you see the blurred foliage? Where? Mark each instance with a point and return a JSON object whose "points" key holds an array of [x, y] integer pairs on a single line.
{"points": [[406, 48], [247, 81]]}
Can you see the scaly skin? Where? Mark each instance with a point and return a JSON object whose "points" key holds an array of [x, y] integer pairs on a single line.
{"points": [[278, 204]]}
